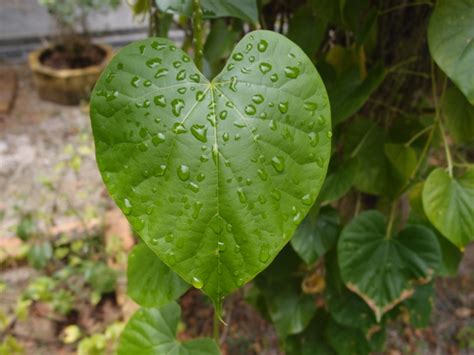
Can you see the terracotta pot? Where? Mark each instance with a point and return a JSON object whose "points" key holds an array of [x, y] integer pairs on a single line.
{"points": [[66, 86]]}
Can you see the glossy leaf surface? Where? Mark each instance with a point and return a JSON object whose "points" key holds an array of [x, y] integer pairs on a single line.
{"points": [[150, 282], [383, 270], [451, 42], [214, 176], [449, 204], [152, 331]]}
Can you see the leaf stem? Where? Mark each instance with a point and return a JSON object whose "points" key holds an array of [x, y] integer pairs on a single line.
{"points": [[438, 118], [404, 6], [393, 209], [215, 327], [418, 135], [197, 34], [446, 149]]}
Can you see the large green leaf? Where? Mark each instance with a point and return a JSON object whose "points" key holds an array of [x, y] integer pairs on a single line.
{"points": [[316, 234], [459, 114], [152, 331], [150, 282], [450, 38], [383, 270], [449, 204], [243, 9], [403, 159], [214, 176]]}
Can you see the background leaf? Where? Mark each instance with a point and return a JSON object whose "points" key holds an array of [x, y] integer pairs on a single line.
{"points": [[380, 270], [449, 204], [450, 39], [152, 331], [459, 115], [243, 9], [316, 234], [150, 282]]}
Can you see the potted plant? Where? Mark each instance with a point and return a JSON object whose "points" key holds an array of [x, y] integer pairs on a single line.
{"points": [[66, 70]]}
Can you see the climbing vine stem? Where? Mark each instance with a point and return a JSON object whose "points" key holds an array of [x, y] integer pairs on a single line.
{"points": [[197, 34], [393, 209]]}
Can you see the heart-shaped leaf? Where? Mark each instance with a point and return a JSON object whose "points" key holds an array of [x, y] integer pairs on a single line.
{"points": [[152, 331], [150, 282], [450, 38], [449, 205], [214, 176], [383, 270]]}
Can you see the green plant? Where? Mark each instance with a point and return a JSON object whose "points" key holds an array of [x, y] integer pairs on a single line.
{"points": [[72, 18], [216, 177]]}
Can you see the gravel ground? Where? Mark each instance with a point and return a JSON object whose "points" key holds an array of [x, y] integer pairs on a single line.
{"points": [[47, 164]]}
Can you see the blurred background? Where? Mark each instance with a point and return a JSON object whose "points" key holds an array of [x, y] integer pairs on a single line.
{"points": [[63, 243]]}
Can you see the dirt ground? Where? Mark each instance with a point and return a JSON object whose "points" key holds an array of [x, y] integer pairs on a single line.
{"points": [[47, 166]]}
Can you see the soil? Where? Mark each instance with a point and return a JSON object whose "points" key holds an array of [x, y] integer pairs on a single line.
{"points": [[75, 56]]}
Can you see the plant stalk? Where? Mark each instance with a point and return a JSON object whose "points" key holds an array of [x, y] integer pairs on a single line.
{"points": [[197, 34], [393, 209], [215, 330]]}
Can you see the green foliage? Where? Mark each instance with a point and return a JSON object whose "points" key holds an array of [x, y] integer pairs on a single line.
{"points": [[150, 282], [153, 331], [211, 161], [450, 36], [39, 254], [316, 234], [449, 204], [244, 9], [218, 175], [382, 268], [459, 115], [70, 13]]}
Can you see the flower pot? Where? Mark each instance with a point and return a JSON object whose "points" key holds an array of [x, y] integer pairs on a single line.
{"points": [[66, 86]]}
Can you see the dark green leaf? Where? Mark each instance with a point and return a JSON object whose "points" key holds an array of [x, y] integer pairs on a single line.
{"points": [[419, 306], [152, 331], [311, 341], [383, 270], [449, 204], [244, 9], [451, 256], [450, 38], [459, 115], [346, 340], [219, 44], [150, 282], [307, 30], [346, 307], [349, 92], [316, 234], [289, 308], [215, 177], [339, 182]]}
